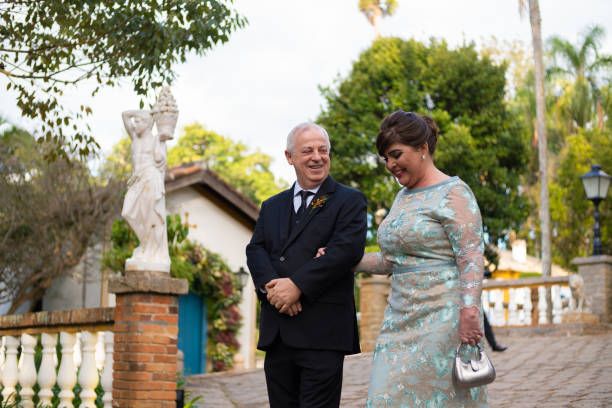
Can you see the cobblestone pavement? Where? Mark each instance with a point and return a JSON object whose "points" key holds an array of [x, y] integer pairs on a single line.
{"points": [[536, 371]]}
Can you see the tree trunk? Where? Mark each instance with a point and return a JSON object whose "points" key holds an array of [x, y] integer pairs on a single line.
{"points": [[536, 32]]}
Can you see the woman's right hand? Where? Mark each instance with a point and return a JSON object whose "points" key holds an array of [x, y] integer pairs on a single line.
{"points": [[320, 252], [469, 325]]}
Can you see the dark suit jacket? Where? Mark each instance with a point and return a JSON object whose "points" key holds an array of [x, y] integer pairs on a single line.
{"points": [[327, 320]]}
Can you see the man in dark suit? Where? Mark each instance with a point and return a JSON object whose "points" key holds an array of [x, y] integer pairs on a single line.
{"points": [[308, 321]]}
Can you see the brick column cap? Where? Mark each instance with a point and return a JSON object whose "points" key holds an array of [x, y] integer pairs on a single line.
{"points": [[148, 282], [375, 279], [591, 260]]}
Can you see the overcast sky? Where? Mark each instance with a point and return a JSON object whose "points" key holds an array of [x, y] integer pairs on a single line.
{"points": [[265, 80]]}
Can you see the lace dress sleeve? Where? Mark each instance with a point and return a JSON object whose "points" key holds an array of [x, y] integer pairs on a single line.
{"points": [[372, 263], [462, 223]]}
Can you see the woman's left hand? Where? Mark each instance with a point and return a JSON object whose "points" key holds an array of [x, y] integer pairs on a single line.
{"points": [[469, 326]]}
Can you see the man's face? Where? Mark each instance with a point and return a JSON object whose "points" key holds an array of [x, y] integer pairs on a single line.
{"points": [[310, 158]]}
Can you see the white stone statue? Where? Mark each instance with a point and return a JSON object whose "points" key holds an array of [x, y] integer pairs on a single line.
{"points": [[576, 284], [144, 207]]}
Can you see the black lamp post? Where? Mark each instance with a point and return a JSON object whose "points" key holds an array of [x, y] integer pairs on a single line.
{"points": [[596, 184]]}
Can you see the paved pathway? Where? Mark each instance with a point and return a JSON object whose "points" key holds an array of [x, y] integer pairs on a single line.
{"points": [[537, 371]]}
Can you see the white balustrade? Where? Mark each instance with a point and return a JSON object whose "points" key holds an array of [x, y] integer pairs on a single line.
{"points": [[66, 376], [46, 372], [513, 308], [527, 306], [542, 307], [27, 370], [95, 359], [100, 351], [498, 308], [556, 304], [2, 349], [77, 351], [88, 373], [107, 373], [10, 376]]}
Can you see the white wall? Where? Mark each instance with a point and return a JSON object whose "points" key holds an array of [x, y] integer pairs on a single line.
{"points": [[66, 292], [218, 231]]}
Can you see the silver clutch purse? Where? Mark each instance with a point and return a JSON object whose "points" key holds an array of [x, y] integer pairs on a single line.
{"points": [[473, 373]]}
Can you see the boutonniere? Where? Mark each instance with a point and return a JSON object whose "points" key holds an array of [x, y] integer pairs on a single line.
{"points": [[318, 202]]}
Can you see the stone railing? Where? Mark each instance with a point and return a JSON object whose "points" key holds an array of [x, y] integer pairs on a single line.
{"points": [[130, 351], [522, 302], [82, 340], [508, 303]]}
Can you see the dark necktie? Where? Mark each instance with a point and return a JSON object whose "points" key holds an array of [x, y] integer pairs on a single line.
{"points": [[304, 195]]}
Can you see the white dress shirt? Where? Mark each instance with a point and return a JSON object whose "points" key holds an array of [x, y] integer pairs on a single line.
{"points": [[297, 199]]}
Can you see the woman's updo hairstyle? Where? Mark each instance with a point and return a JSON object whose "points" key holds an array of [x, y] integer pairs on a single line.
{"points": [[407, 128]]}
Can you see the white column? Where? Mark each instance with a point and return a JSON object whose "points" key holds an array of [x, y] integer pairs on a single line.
{"points": [[88, 373], [556, 303], [2, 350], [10, 373], [46, 372], [66, 376], [107, 373], [512, 307], [528, 306], [27, 370], [542, 318], [100, 351], [77, 351], [484, 298], [498, 308]]}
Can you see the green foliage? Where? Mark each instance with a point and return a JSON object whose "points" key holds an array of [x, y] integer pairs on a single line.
{"points": [[118, 164], [585, 67], [481, 140], [48, 46], [571, 212], [193, 401], [208, 275], [248, 172], [386, 7]]}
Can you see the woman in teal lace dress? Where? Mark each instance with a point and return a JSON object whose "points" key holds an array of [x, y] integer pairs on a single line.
{"points": [[431, 244]]}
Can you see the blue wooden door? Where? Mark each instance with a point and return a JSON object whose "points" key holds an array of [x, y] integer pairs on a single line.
{"points": [[192, 332]]}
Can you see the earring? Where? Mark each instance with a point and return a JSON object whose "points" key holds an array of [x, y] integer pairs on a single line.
{"points": [[423, 157]]}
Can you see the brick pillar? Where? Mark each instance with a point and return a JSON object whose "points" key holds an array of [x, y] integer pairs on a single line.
{"points": [[373, 295], [146, 336], [596, 271]]}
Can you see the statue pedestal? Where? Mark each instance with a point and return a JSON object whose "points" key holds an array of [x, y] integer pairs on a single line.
{"points": [[146, 337], [596, 271], [136, 265], [580, 317]]}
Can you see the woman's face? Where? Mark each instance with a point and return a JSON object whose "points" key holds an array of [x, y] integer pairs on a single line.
{"points": [[406, 163]]}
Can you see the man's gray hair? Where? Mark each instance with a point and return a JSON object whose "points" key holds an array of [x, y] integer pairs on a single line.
{"points": [[303, 126]]}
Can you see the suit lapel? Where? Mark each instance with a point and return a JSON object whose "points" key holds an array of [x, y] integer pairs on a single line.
{"points": [[285, 215], [327, 189]]}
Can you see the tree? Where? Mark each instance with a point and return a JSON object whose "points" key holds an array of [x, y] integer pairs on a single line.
{"points": [[248, 172], [375, 9], [536, 34], [481, 140], [50, 212], [571, 212], [582, 64], [50, 46]]}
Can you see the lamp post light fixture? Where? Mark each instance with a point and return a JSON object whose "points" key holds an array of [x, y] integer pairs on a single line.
{"points": [[596, 184], [243, 277]]}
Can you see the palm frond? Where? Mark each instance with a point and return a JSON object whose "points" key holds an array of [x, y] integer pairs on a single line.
{"points": [[592, 41], [562, 49]]}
